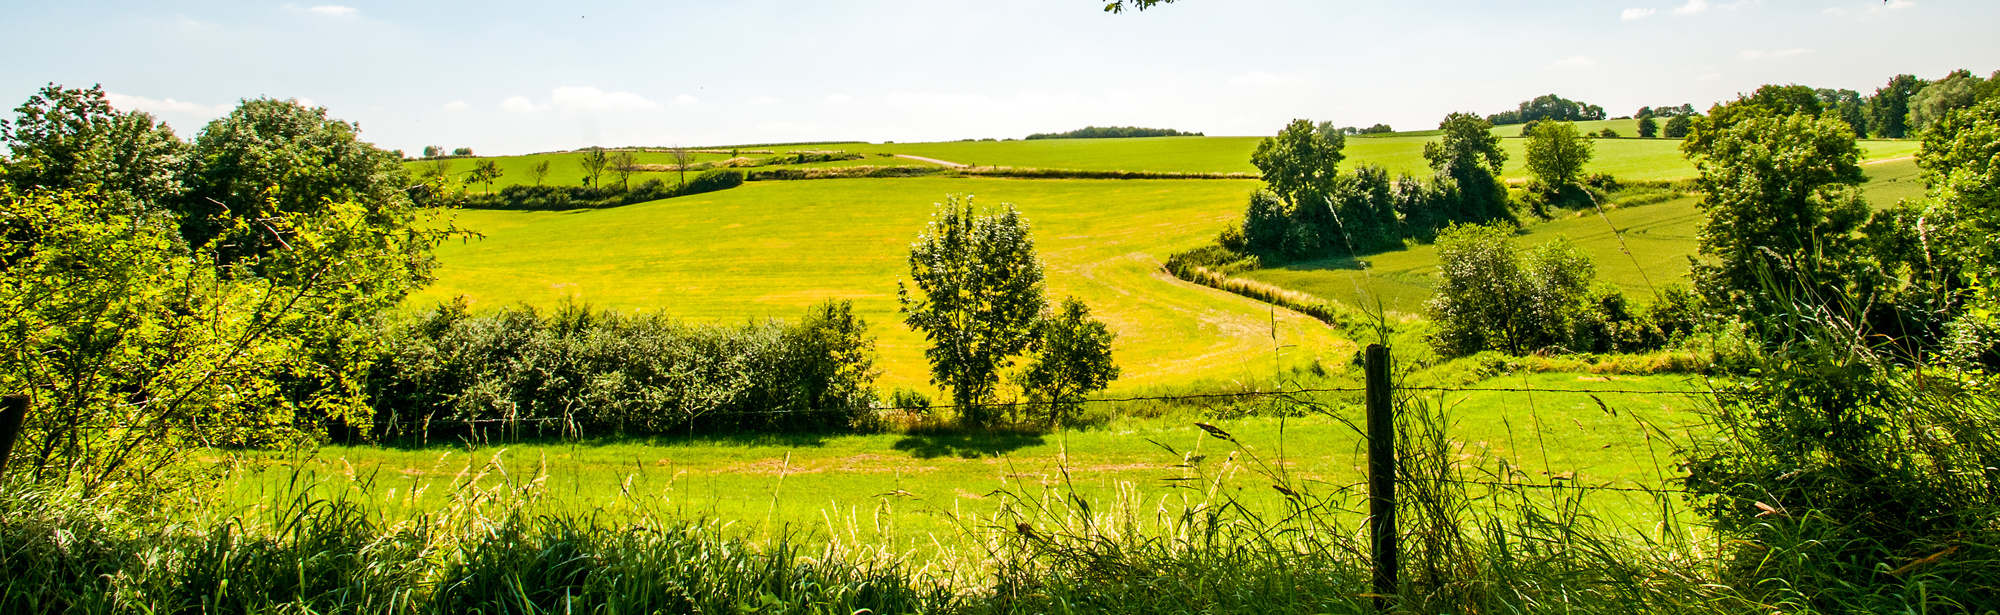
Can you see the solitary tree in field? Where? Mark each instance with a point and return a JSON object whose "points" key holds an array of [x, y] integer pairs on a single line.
{"points": [[540, 172], [1072, 360], [593, 162], [1470, 155], [1557, 153], [682, 158], [1648, 127], [624, 164], [485, 171], [977, 296], [1677, 127]]}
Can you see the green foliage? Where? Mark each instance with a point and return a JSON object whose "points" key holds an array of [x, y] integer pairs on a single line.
{"points": [[1844, 479], [1490, 296], [979, 294], [1956, 91], [271, 157], [1889, 108], [1301, 163], [1648, 127], [579, 371], [1848, 105], [1072, 360], [1112, 132], [1778, 191], [139, 350], [592, 163], [71, 139], [1678, 126], [1548, 107], [1556, 153]]}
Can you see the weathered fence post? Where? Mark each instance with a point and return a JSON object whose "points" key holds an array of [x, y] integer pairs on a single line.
{"points": [[1381, 474], [13, 409]]}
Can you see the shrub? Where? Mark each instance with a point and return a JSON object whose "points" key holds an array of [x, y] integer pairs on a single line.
{"points": [[574, 370]]}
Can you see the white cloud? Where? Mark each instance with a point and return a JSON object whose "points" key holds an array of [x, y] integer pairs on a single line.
{"points": [[1759, 54], [1637, 13], [685, 99], [782, 127], [518, 104], [587, 97], [169, 105], [835, 99], [1692, 7], [1874, 10], [765, 101], [334, 10], [457, 105], [1573, 62]]}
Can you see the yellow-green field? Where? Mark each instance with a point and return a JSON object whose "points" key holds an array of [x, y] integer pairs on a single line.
{"points": [[769, 249]]}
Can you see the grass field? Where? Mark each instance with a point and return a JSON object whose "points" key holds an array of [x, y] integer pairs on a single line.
{"points": [[905, 491], [769, 249], [1400, 153], [1660, 238]]}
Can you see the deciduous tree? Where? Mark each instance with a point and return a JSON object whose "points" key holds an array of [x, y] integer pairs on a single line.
{"points": [[977, 296], [1072, 360], [592, 162], [1556, 153]]}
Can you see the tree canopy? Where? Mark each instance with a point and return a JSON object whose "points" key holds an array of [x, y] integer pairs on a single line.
{"points": [[977, 296], [1301, 163]]}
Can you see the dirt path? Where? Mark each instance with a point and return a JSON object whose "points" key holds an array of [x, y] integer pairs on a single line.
{"points": [[1888, 160], [933, 161]]}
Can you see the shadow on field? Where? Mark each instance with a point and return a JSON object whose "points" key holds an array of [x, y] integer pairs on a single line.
{"points": [[965, 445]]}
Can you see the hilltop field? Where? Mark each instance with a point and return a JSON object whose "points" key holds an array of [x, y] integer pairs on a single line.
{"points": [[769, 249]]}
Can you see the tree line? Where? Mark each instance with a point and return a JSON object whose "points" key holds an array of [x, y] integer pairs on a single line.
{"points": [[1112, 132]]}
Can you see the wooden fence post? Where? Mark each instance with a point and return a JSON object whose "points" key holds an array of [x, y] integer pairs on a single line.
{"points": [[13, 409], [1381, 474]]}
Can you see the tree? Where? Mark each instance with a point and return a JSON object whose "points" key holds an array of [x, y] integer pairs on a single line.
{"points": [[463, 151], [1556, 153], [433, 151], [977, 297], [1889, 108], [1677, 127], [1301, 163], [270, 156], [540, 172], [1118, 6], [72, 139], [1777, 191], [1469, 155], [593, 162], [1847, 104], [1072, 360], [682, 158], [1549, 107], [1648, 127], [485, 171], [624, 164], [1492, 297], [1958, 90]]}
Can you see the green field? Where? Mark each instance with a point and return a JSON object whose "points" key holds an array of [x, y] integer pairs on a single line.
{"points": [[1401, 153], [1660, 239], [769, 249], [904, 491]]}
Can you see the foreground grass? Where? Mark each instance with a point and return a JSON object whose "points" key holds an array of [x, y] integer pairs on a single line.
{"points": [[918, 493]]}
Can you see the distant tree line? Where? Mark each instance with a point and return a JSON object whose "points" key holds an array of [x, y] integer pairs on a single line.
{"points": [[1112, 132], [1548, 107]]}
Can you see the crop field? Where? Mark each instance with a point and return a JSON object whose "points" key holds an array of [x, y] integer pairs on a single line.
{"points": [[769, 249], [916, 492]]}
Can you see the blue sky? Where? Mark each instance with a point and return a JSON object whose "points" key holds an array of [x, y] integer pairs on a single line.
{"points": [[519, 77]]}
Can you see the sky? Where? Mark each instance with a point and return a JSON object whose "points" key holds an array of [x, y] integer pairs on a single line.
{"points": [[507, 77]]}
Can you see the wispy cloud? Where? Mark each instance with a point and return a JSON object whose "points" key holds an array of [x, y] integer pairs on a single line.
{"points": [[836, 99], [1692, 7], [1759, 54], [334, 10], [587, 97], [685, 99], [1873, 9], [457, 105], [765, 101], [1630, 14], [518, 104], [167, 105]]}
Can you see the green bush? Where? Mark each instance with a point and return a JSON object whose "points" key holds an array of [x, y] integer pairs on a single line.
{"points": [[576, 371]]}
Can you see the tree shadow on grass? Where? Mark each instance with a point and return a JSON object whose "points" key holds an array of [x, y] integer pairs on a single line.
{"points": [[972, 445]]}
